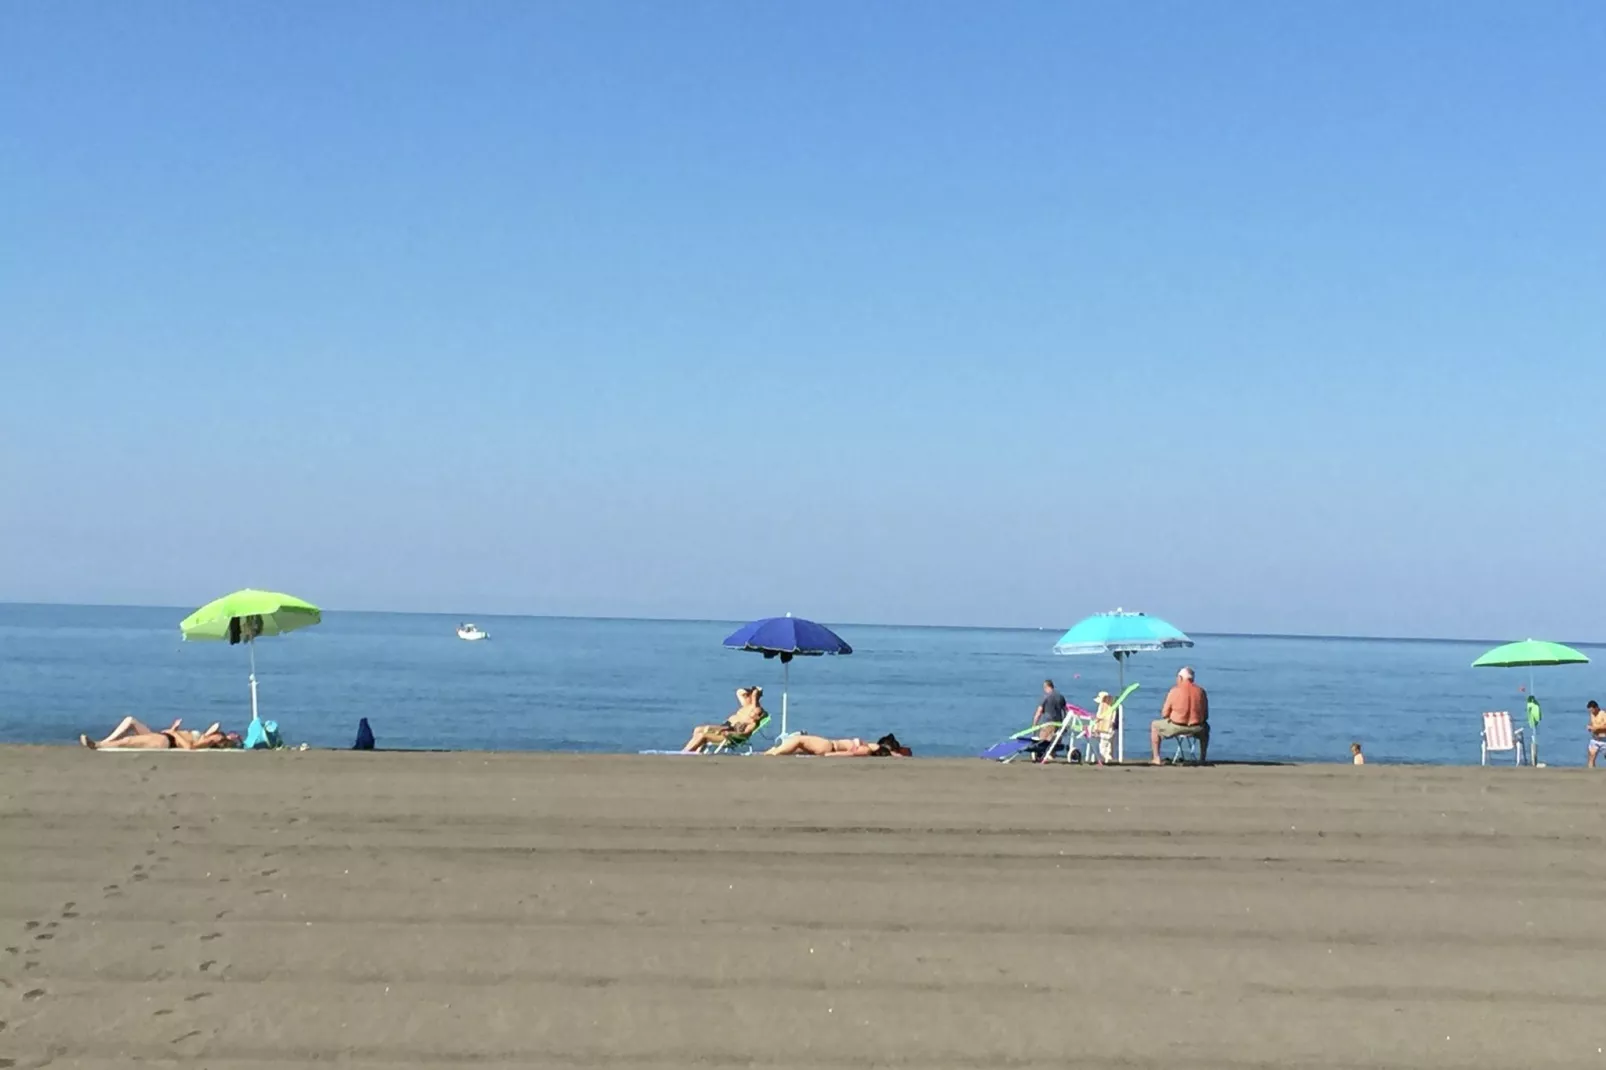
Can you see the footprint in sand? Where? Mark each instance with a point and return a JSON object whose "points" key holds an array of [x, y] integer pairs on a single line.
{"points": [[45, 936], [210, 936], [158, 1014], [186, 1036], [141, 876], [12, 950], [158, 947], [33, 993], [197, 997], [267, 873], [30, 926], [69, 913], [207, 965], [52, 924]]}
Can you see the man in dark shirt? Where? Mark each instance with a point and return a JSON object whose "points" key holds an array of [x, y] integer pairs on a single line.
{"points": [[1186, 713], [1051, 712]]}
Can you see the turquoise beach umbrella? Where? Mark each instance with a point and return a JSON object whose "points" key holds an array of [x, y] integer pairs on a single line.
{"points": [[1121, 634]]}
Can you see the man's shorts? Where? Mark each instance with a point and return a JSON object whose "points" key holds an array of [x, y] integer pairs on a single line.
{"points": [[1596, 743], [1171, 730]]}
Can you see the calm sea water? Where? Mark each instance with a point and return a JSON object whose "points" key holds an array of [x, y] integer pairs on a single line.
{"points": [[626, 685]]}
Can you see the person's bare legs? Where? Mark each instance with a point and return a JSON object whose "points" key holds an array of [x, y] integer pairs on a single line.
{"points": [[1154, 743], [1204, 745], [147, 741], [128, 726], [1594, 752], [703, 736]]}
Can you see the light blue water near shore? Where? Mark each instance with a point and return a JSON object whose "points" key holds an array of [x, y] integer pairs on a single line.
{"points": [[625, 685]]}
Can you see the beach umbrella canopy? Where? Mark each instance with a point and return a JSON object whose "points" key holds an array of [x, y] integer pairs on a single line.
{"points": [[1530, 654], [786, 638], [1121, 634], [243, 616]]}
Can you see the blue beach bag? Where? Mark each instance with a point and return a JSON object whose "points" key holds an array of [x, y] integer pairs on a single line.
{"points": [[263, 735]]}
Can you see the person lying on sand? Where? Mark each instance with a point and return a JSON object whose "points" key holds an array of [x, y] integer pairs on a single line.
{"points": [[133, 734], [803, 743], [741, 724]]}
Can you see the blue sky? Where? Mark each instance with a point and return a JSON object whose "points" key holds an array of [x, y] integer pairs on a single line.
{"points": [[1259, 316]]}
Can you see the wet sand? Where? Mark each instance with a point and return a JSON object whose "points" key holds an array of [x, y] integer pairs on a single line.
{"points": [[255, 911]]}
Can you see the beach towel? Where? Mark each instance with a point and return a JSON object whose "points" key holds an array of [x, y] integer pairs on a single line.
{"points": [[365, 736]]}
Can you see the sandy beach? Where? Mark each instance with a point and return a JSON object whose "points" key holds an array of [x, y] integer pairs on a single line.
{"points": [[241, 911]]}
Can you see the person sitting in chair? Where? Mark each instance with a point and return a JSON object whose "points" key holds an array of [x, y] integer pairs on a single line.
{"points": [[1186, 713], [741, 724]]}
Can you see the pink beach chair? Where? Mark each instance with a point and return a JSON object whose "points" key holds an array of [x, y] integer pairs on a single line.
{"points": [[1498, 735]]}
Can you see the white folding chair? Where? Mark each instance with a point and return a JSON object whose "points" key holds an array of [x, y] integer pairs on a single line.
{"points": [[1498, 736], [1187, 752]]}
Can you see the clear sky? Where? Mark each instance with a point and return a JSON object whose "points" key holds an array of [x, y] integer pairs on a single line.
{"points": [[1258, 316]]}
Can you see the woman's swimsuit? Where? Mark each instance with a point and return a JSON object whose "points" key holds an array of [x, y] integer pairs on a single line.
{"points": [[172, 740]]}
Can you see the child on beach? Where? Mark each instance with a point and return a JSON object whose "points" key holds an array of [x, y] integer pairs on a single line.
{"points": [[1359, 758]]}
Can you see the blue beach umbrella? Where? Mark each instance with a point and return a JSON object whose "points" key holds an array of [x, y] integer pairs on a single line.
{"points": [[786, 638], [1121, 634]]}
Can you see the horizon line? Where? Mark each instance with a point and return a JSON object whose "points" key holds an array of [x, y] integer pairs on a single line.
{"points": [[841, 624]]}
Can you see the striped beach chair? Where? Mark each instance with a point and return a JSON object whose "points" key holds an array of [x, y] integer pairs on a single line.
{"points": [[1499, 736]]}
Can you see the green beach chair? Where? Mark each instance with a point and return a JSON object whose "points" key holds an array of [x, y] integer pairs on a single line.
{"points": [[734, 744]]}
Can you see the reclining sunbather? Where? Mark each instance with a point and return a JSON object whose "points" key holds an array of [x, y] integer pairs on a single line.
{"points": [[803, 743], [739, 725], [133, 734]]}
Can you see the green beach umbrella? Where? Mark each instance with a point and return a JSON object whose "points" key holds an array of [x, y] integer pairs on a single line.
{"points": [[243, 616], [1527, 655]]}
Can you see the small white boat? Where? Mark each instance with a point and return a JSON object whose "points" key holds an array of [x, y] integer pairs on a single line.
{"points": [[471, 632]]}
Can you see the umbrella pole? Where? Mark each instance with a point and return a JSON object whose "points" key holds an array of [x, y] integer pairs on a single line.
{"points": [[251, 645], [1120, 739], [786, 683]]}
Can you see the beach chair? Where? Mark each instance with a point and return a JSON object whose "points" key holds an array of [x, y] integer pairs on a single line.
{"points": [[1187, 750], [734, 744], [1092, 729], [1499, 735]]}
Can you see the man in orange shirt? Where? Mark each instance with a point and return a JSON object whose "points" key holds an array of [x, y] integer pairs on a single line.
{"points": [[1186, 713]]}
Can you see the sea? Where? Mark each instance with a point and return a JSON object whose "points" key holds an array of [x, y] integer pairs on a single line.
{"points": [[580, 684]]}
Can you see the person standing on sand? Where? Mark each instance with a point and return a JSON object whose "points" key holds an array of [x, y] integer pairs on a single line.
{"points": [[1356, 755], [1597, 730], [1186, 713], [1051, 712]]}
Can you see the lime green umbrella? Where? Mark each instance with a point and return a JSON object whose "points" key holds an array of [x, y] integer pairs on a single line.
{"points": [[1526, 655], [243, 616]]}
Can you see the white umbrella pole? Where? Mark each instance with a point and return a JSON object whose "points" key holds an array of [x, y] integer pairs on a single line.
{"points": [[786, 683], [1120, 739], [251, 644]]}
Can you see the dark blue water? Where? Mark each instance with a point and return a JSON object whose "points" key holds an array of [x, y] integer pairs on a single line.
{"points": [[625, 685]]}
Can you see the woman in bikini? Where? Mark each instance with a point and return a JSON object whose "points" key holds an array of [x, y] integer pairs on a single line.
{"points": [[742, 723], [133, 734], [819, 746]]}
